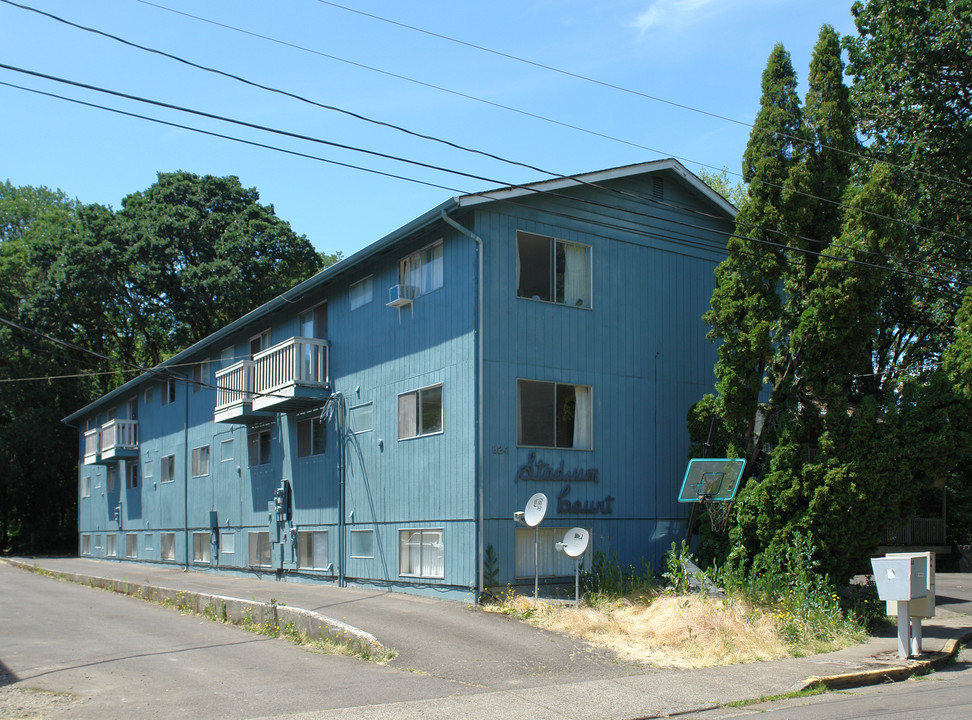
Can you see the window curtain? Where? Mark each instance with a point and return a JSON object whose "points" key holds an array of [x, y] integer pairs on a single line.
{"points": [[582, 417], [577, 276]]}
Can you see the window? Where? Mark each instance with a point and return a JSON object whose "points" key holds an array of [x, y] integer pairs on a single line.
{"points": [[131, 481], [200, 547], [168, 546], [148, 395], [553, 563], [133, 408], [227, 357], [86, 486], [147, 469], [258, 448], [553, 415], [131, 545], [312, 553], [362, 418], [420, 553], [422, 271], [310, 437], [97, 542], [85, 544], [259, 549], [362, 543], [553, 270], [168, 392], [227, 542], [200, 375], [168, 468], [226, 450], [259, 342], [112, 478], [313, 323], [420, 412], [200, 461], [361, 293], [147, 542], [110, 546]]}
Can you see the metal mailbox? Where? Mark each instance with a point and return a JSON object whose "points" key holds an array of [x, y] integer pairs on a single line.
{"points": [[921, 607], [900, 578]]}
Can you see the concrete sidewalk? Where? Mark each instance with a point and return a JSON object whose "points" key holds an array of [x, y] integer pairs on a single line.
{"points": [[503, 668]]}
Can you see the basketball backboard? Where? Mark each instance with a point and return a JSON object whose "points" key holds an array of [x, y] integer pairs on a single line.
{"points": [[715, 479]]}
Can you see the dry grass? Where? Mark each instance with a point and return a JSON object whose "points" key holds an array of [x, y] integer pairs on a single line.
{"points": [[670, 631]]}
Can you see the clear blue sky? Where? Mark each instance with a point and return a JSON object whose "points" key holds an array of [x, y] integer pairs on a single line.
{"points": [[707, 54]]}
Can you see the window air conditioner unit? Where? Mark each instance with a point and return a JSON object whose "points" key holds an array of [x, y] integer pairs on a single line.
{"points": [[399, 295]]}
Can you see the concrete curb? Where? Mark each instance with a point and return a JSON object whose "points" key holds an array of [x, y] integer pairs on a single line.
{"points": [[890, 674], [228, 609]]}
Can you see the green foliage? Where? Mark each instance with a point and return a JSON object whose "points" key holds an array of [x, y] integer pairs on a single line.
{"points": [[606, 577], [677, 573]]}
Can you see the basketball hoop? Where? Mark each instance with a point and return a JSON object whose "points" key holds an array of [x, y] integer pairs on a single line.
{"points": [[719, 513]]}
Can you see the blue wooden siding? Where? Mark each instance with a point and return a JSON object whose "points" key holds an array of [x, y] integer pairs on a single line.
{"points": [[640, 347]]}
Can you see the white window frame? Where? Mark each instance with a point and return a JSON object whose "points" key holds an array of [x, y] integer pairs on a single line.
{"points": [[310, 555], [306, 447], [414, 546], [201, 548], [168, 469], [200, 375], [417, 429], [580, 295], [147, 469], [260, 460], [359, 552], [583, 434], [356, 413], [263, 337], [85, 486], [200, 461], [147, 542], [223, 444], [131, 545], [168, 392], [424, 269], [111, 481], [553, 563], [111, 549], [361, 293], [97, 541], [167, 546], [85, 544], [227, 542], [259, 549]]}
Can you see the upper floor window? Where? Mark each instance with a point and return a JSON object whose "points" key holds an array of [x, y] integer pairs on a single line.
{"points": [[200, 375], [132, 406], [258, 448], [168, 468], [200, 461], [310, 437], [313, 323], [553, 415], [553, 270], [259, 342], [112, 478], [361, 293], [420, 412], [168, 392], [422, 271], [131, 479]]}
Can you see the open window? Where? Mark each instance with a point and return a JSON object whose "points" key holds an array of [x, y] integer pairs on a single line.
{"points": [[553, 415], [553, 270]]}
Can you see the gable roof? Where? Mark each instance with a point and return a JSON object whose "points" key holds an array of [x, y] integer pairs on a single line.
{"points": [[419, 224]]}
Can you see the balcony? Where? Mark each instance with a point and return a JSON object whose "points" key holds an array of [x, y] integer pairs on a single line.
{"points": [[288, 376], [119, 439], [91, 438]]}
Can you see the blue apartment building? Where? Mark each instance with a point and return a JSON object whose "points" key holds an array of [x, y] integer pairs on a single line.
{"points": [[380, 423]]}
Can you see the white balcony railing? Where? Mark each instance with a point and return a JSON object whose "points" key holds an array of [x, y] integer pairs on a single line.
{"points": [[119, 435], [272, 377], [91, 446], [297, 361], [234, 385]]}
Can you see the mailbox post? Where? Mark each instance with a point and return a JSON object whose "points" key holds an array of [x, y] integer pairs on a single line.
{"points": [[923, 607], [901, 580]]}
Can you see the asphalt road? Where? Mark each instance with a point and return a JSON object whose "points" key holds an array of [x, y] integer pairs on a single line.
{"points": [[106, 656]]}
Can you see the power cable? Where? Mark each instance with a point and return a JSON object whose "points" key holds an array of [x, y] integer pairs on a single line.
{"points": [[621, 88], [400, 128]]}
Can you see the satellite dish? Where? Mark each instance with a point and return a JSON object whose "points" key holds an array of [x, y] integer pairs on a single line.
{"points": [[536, 509], [575, 542]]}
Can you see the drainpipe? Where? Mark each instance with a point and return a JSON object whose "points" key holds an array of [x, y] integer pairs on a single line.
{"points": [[185, 484], [479, 399]]}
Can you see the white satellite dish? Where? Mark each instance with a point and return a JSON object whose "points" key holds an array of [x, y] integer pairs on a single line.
{"points": [[576, 541], [536, 509]]}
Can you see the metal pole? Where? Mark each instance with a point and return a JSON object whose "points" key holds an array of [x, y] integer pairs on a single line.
{"points": [[576, 581], [536, 562]]}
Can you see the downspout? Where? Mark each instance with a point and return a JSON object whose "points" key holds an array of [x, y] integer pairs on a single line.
{"points": [[479, 401], [185, 479]]}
